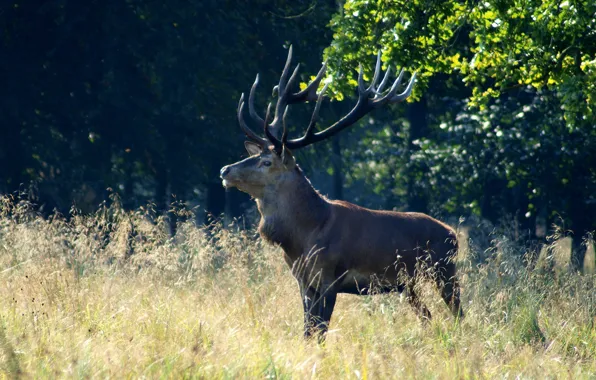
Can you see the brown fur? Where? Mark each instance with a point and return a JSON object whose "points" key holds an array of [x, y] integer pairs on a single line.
{"points": [[338, 247]]}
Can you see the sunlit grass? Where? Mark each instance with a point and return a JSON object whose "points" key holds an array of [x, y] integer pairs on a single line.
{"points": [[112, 295]]}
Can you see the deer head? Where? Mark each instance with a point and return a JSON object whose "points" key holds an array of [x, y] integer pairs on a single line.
{"points": [[271, 160], [264, 167]]}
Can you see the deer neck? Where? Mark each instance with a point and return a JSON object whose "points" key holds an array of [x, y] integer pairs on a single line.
{"points": [[290, 211]]}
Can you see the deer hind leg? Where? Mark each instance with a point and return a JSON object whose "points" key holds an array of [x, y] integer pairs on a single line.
{"points": [[418, 306], [449, 287]]}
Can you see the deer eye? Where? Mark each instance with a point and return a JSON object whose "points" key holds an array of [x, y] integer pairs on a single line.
{"points": [[267, 163]]}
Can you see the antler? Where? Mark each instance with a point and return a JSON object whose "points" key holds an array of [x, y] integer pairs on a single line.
{"points": [[249, 133], [285, 98], [369, 98]]}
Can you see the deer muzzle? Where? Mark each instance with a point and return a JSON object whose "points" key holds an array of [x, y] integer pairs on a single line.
{"points": [[223, 173]]}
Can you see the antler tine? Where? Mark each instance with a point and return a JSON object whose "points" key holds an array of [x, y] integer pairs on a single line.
{"points": [[282, 95], [251, 102], [284, 135], [395, 84], [309, 94], [266, 121], [291, 81], [281, 88], [249, 133], [379, 90], [315, 114], [277, 145], [282, 100], [289, 84], [364, 91], [401, 97], [376, 74]]}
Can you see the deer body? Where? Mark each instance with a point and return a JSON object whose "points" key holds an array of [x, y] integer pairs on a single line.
{"points": [[335, 246]]}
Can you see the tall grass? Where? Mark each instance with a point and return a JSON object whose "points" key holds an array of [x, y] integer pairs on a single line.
{"points": [[111, 294]]}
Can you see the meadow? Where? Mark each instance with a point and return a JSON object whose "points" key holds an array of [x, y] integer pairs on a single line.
{"points": [[113, 295]]}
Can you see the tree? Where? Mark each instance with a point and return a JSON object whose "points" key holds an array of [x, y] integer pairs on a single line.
{"points": [[512, 122], [137, 97]]}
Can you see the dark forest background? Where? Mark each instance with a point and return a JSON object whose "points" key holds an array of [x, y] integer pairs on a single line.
{"points": [[136, 100]]}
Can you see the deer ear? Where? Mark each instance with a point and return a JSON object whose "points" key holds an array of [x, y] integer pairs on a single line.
{"points": [[253, 148], [287, 158]]}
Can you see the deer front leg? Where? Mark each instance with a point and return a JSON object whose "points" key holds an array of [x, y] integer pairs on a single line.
{"points": [[318, 307], [421, 309]]}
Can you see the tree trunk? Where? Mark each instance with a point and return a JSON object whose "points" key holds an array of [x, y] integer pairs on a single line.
{"points": [[128, 201], [11, 149], [488, 203], [161, 188], [578, 252], [416, 113], [228, 215], [338, 175], [581, 215], [216, 201], [175, 196], [580, 227]]}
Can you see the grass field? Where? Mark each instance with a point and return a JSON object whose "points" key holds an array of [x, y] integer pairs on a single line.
{"points": [[111, 295]]}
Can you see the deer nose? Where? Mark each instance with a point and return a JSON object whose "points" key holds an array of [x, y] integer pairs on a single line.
{"points": [[224, 171]]}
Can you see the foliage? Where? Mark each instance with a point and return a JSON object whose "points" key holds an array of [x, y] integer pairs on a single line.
{"points": [[139, 97], [511, 85], [493, 45]]}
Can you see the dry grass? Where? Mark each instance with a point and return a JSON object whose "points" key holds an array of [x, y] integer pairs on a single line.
{"points": [[112, 295]]}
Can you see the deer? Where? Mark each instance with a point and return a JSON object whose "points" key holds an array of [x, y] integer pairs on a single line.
{"points": [[333, 246]]}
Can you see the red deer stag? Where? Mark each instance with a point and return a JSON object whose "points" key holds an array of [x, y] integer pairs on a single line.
{"points": [[335, 246]]}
